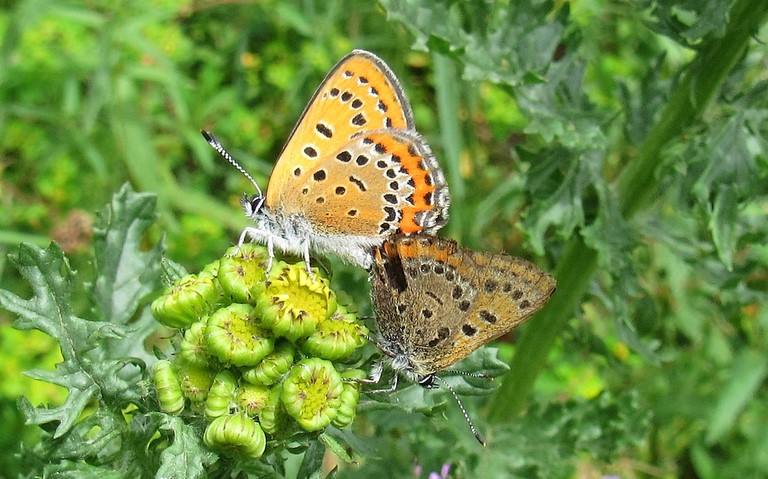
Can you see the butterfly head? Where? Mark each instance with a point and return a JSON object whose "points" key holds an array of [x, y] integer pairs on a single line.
{"points": [[252, 205]]}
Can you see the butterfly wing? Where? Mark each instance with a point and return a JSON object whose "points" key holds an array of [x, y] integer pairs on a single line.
{"points": [[441, 302], [359, 94], [380, 183]]}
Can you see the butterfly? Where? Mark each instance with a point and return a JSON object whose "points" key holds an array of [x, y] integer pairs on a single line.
{"points": [[435, 303], [353, 172]]}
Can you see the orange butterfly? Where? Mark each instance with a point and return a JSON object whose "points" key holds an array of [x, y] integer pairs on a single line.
{"points": [[353, 172]]}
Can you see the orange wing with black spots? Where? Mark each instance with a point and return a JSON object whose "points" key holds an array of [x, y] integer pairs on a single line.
{"points": [[359, 94], [354, 165], [381, 183]]}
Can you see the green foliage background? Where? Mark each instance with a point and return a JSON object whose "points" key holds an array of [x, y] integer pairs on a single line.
{"points": [[621, 145]]}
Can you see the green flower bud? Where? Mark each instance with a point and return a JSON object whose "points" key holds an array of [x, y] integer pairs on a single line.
{"points": [[272, 368], [272, 416], [193, 348], [235, 336], [252, 398], [348, 407], [312, 393], [236, 435], [212, 268], [222, 395], [195, 380], [349, 397], [336, 337], [188, 300], [168, 388], [241, 272], [295, 303]]}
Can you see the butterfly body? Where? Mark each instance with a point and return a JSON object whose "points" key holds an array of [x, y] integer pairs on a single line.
{"points": [[436, 303], [353, 172]]}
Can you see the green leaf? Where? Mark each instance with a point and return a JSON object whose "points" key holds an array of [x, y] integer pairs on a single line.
{"points": [[536, 444], [408, 398], [186, 457], [483, 362], [722, 224], [728, 157], [82, 371], [747, 374], [80, 470], [610, 234], [126, 274], [412, 397], [312, 462], [549, 91], [336, 447], [560, 203], [689, 21], [101, 377]]}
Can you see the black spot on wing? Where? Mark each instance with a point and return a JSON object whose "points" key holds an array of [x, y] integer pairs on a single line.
{"points": [[324, 130], [359, 120], [358, 183]]}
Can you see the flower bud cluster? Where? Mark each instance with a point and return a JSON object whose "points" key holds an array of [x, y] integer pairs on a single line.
{"points": [[262, 353]]}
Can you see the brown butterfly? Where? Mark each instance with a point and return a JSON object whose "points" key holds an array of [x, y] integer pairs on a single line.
{"points": [[436, 303]]}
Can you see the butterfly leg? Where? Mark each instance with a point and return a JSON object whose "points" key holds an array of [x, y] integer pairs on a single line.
{"points": [[375, 377], [270, 253], [260, 236], [243, 235], [392, 387], [305, 249]]}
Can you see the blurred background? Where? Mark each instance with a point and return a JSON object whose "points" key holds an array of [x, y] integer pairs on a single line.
{"points": [[620, 144]]}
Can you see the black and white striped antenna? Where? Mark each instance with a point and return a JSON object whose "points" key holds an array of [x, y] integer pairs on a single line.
{"points": [[463, 411], [225, 154]]}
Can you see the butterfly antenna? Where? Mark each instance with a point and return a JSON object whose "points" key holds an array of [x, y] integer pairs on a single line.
{"points": [[463, 411], [468, 374], [225, 154]]}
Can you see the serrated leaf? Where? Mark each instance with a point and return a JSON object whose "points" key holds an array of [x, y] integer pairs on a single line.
{"points": [[537, 442], [564, 207], [689, 21], [50, 311], [125, 273], [483, 47], [549, 91], [96, 437], [96, 365], [610, 234], [186, 457], [172, 270], [728, 158], [408, 397], [559, 111]]}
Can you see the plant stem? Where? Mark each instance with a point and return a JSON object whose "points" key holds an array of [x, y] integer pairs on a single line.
{"points": [[637, 186], [448, 105], [698, 86]]}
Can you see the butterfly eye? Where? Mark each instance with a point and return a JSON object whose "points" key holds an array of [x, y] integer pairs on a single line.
{"points": [[427, 381], [251, 205]]}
